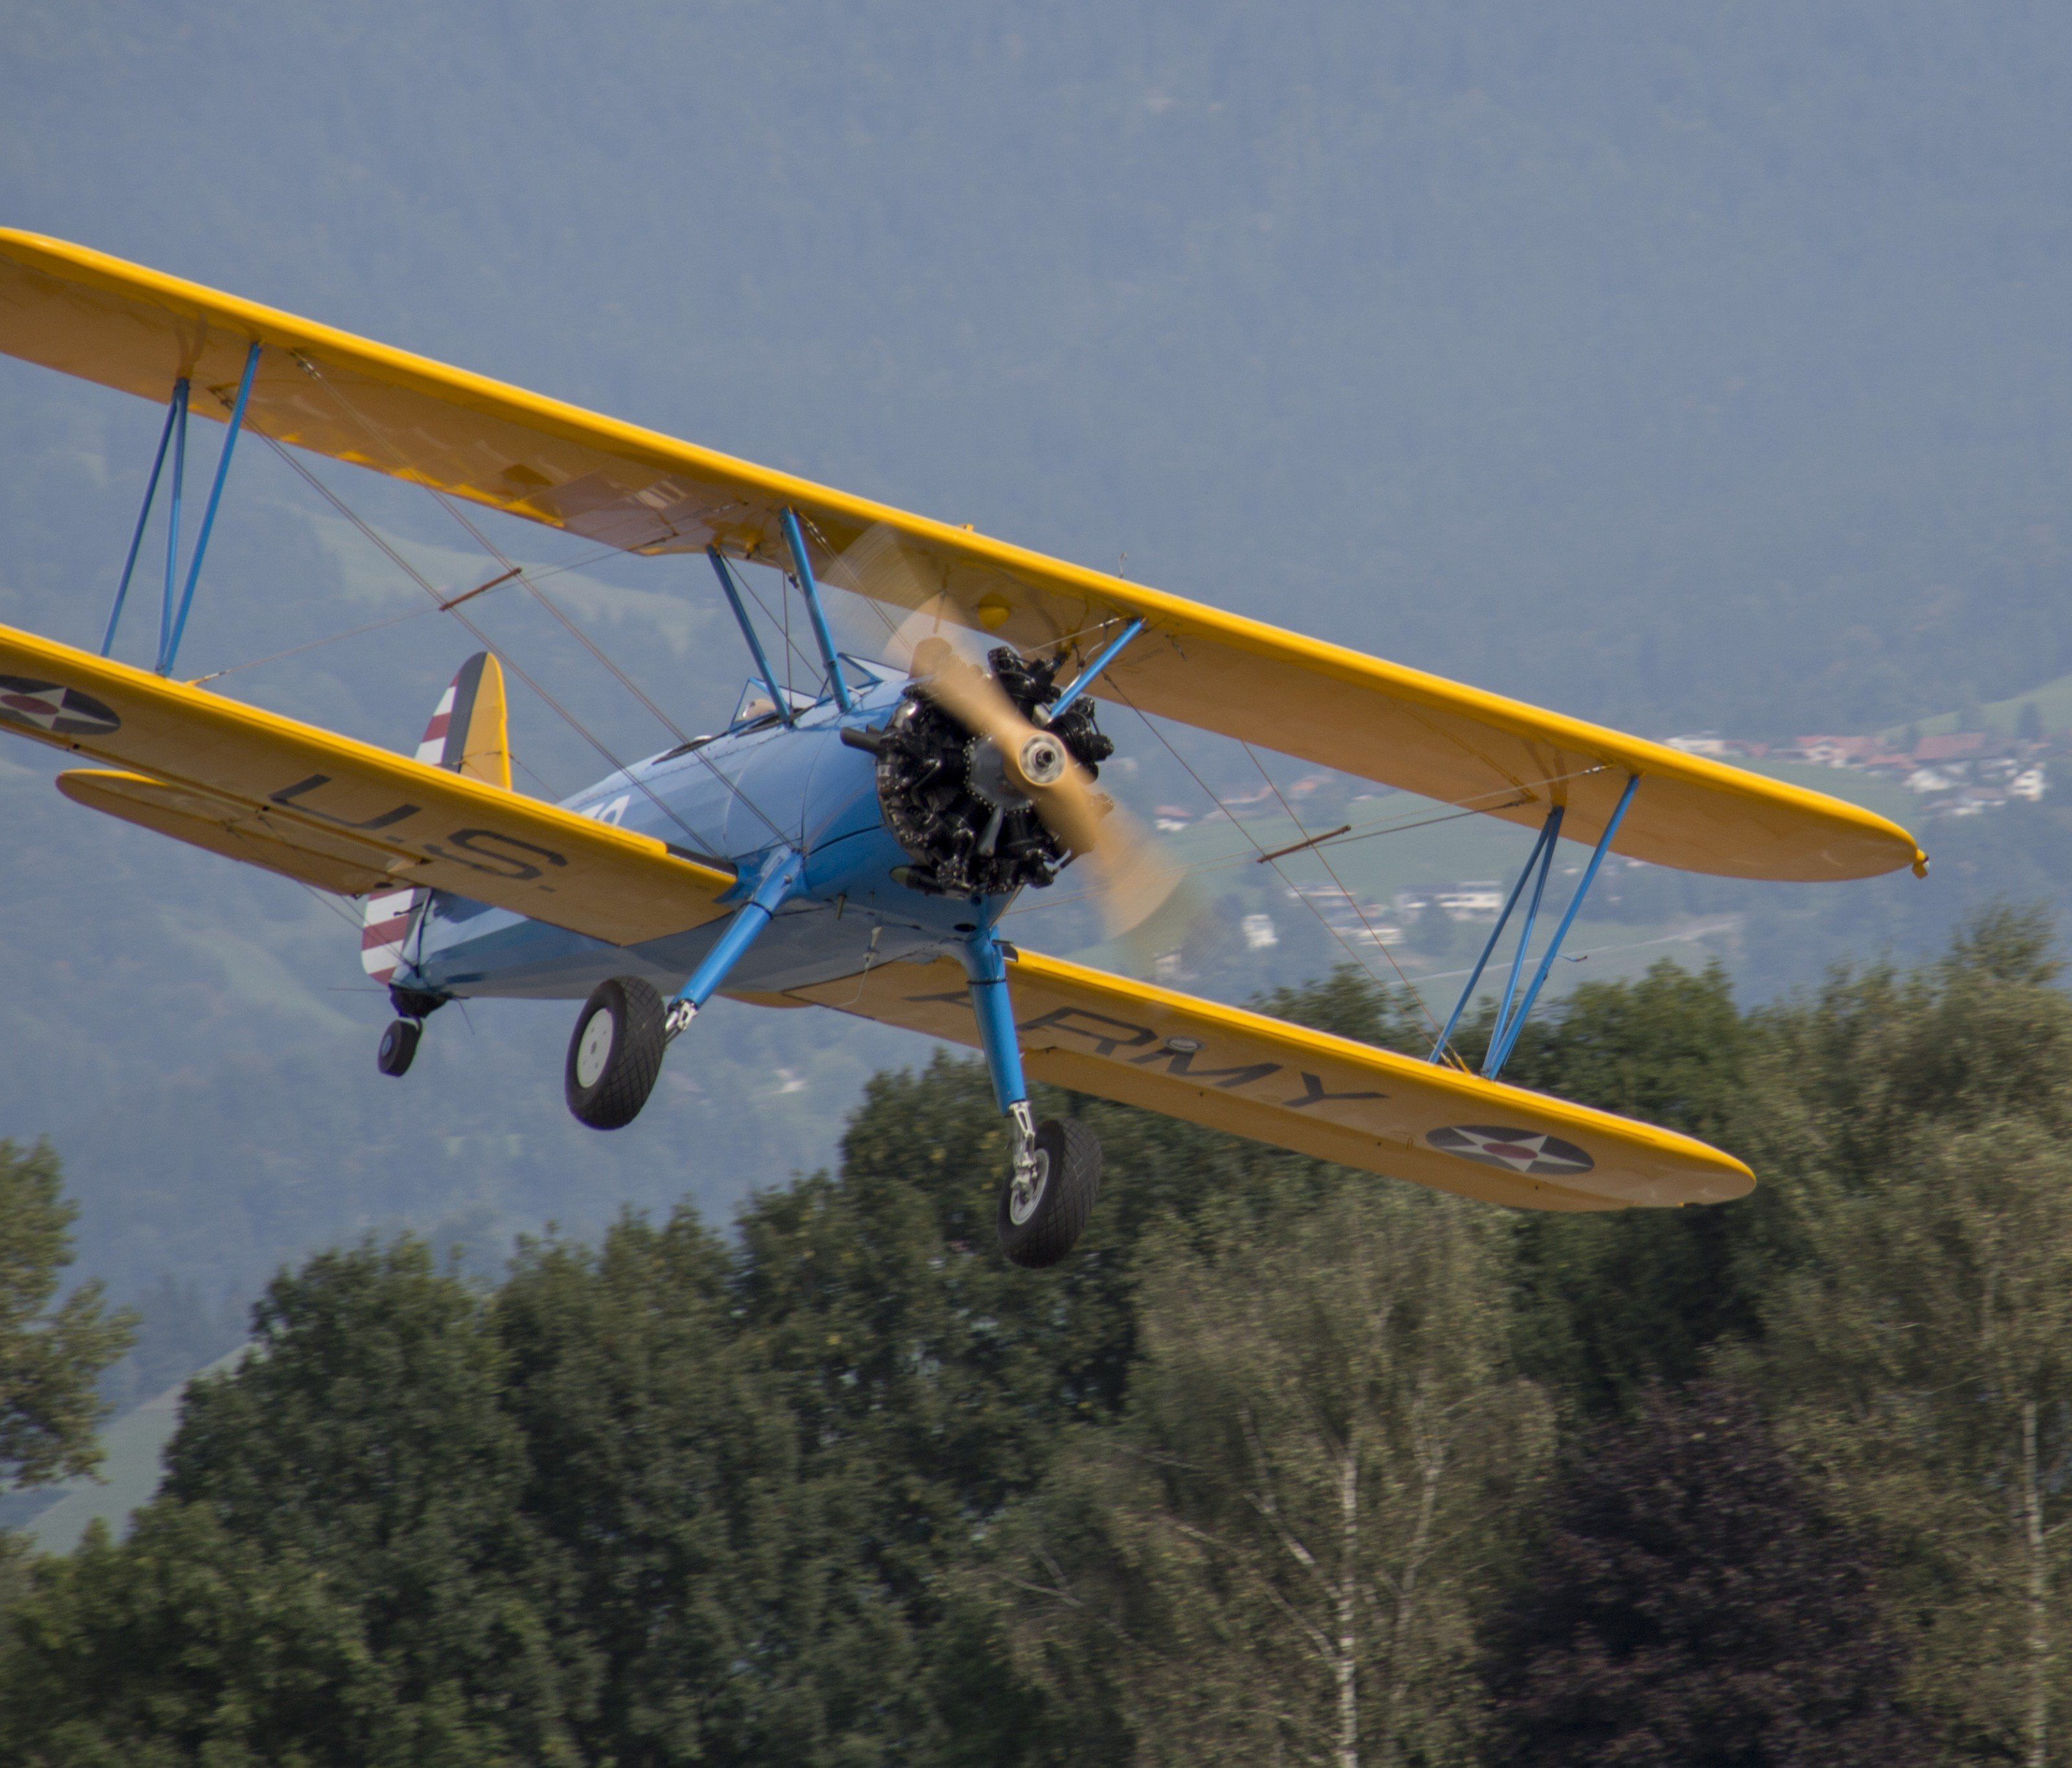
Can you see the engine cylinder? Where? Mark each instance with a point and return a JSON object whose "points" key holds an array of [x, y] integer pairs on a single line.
{"points": [[949, 800]]}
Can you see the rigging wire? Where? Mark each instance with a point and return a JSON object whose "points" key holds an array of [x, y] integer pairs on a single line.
{"points": [[1458, 809], [1331, 871], [784, 626], [1345, 944], [446, 502], [562, 712], [1223, 862], [394, 619], [876, 607]]}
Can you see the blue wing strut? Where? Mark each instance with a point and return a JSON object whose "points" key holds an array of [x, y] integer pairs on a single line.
{"points": [[1503, 1036]]}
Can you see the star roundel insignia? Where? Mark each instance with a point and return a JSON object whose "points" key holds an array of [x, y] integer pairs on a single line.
{"points": [[1531, 1152], [52, 706]]}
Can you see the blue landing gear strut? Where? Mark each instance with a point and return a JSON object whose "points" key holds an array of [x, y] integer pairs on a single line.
{"points": [[987, 964], [1056, 1174], [624, 1029], [780, 879]]}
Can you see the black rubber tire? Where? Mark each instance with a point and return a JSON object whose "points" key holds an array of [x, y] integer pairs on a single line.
{"points": [[623, 1070], [399, 1044], [1071, 1180]]}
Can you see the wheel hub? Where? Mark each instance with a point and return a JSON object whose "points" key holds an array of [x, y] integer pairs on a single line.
{"points": [[1027, 1190], [592, 1052]]}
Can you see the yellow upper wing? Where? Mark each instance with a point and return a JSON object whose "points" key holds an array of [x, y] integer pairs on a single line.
{"points": [[1305, 1090], [125, 327], [342, 815]]}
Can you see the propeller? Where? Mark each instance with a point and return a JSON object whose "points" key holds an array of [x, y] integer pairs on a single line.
{"points": [[1141, 894], [1135, 881], [906, 602]]}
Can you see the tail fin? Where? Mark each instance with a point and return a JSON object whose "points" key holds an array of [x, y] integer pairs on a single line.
{"points": [[469, 733]]}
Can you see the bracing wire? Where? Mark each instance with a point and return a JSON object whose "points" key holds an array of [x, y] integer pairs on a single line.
{"points": [[377, 626], [481, 637], [1331, 872], [1344, 943], [1223, 862], [732, 787]]}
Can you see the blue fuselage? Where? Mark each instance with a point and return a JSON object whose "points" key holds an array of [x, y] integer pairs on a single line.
{"points": [[760, 788]]}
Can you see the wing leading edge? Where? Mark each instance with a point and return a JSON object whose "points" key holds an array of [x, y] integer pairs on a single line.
{"points": [[1284, 1084], [343, 816], [126, 326]]}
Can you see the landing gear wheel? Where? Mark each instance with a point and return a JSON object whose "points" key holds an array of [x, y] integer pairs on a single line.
{"points": [[1040, 1217], [399, 1044], [615, 1054]]}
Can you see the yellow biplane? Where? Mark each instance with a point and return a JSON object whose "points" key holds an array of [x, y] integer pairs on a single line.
{"points": [[854, 847]]}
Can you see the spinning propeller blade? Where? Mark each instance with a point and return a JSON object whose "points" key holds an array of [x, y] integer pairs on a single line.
{"points": [[1135, 880], [884, 576]]}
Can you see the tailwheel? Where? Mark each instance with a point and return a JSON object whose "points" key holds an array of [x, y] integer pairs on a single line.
{"points": [[1045, 1204], [399, 1044], [616, 1053]]}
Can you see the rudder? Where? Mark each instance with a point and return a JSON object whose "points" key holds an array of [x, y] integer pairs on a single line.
{"points": [[470, 733]]}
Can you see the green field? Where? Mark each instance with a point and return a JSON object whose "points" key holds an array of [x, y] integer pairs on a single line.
{"points": [[135, 1446], [2052, 702]]}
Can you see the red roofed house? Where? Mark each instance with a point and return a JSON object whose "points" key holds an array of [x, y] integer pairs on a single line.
{"points": [[1962, 746]]}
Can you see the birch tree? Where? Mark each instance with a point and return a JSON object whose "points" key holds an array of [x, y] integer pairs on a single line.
{"points": [[1277, 1557], [1926, 1364]]}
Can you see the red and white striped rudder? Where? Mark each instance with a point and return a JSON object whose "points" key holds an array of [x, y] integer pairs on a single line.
{"points": [[468, 733]]}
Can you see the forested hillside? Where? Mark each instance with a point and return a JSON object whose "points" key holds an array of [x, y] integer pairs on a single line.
{"points": [[1286, 1463]]}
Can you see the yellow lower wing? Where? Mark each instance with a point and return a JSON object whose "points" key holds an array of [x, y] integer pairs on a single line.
{"points": [[236, 830], [343, 816], [1304, 1090]]}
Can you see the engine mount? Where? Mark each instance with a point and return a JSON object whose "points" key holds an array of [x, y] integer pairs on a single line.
{"points": [[947, 798]]}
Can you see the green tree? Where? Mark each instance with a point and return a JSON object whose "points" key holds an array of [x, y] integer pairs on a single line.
{"points": [[711, 1602], [1693, 1607], [1920, 1347], [1926, 1361], [185, 1644], [1608, 1302], [1277, 1554], [366, 1436], [336, 1568], [51, 1350]]}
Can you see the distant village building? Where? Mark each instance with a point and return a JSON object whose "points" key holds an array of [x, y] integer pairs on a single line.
{"points": [[1962, 773], [1360, 923], [1959, 745], [1835, 751]]}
